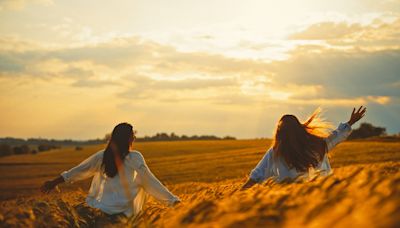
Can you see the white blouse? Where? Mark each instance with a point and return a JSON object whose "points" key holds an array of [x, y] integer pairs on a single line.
{"points": [[123, 193], [279, 171]]}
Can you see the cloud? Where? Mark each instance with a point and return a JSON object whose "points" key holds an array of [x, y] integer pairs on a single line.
{"points": [[146, 70], [141, 79], [130, 56], [191, 84], [326, 31], [342, 74], [378, 35], [88, 83], [383, 100], [139, 53], [15, 44], [194, 89], [21, 4]]}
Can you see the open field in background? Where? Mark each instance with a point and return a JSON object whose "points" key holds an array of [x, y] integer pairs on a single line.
{"points": [[172, 162], [206, 175], [175, 162]]}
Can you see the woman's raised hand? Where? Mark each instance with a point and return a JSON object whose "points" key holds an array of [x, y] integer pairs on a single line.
{"points": [[356, 116]]}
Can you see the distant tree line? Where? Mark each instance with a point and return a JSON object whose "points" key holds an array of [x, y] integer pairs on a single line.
{"points": [[6, 149], [53, 142], [10, 146], [174, 137]]}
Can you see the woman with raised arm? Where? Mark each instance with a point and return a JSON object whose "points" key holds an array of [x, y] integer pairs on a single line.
{"points": [[299, 148], [121, 177]]}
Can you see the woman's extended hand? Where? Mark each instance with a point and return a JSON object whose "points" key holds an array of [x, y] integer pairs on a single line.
{"points": [[50, 185], [356, 116], [47, 186], [176, 202], [249, 183]]}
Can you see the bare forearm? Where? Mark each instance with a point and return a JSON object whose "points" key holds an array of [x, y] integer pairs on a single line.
{"points": [[58, 180], [351, 122], [50, 185]]}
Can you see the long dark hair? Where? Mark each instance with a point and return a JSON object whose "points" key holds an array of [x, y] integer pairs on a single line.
{"points": [[117, 148], [302, 145]]}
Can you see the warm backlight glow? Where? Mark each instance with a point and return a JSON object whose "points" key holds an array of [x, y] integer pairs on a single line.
{"points": [[184, 66]]}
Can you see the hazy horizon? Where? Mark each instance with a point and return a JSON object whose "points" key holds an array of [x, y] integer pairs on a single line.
{"points": [[74, 69]]}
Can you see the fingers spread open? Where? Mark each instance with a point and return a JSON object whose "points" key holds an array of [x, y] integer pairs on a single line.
{"points": [[364, 110]]}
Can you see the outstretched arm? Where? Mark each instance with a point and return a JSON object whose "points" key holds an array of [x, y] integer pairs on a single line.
{"points": [[261, 172], [155, 188], [150, 183], [82, 171], [343, 131]]}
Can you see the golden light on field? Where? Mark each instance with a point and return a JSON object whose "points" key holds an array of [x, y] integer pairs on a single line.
{"points": [[363, 190], [183, 66]]}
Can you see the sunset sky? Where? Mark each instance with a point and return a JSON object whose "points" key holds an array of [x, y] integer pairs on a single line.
{"points": [[74, 69]]}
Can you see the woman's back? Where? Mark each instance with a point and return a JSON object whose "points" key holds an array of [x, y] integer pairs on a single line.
{"points": [[280, 171], [272, 165], [118, 190], [121, 178], [125, 191]]}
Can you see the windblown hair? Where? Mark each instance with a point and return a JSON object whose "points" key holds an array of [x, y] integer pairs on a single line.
{"points": [[117, 149], [301, 145]]}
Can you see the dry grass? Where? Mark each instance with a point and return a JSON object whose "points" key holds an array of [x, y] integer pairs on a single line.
{"points": [[359, 196], [364, 190]]}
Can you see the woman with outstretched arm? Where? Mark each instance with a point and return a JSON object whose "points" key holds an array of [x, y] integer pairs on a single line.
{"points": [[299, 147], [121, 178]]}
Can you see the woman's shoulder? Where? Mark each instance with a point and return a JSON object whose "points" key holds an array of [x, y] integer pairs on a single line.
{"points": [[99, 153], [136, 155], [135, 159], [269, 152]]}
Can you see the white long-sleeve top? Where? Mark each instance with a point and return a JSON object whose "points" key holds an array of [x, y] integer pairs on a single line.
{"points": [[278, 169], [123, 193]]}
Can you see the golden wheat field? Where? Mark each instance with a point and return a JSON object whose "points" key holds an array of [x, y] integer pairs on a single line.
{"points": [[364, 190]]}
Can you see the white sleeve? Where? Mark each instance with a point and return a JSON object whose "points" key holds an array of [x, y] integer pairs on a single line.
{"points": [[263, 169], [84, 170], [337, 136], [149, 182]]}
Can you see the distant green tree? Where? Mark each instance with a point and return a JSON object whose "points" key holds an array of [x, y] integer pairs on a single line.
{"points": [[107, 137], [184, 137], [229, 138], [367, 130], [173, 136], [17, 150], [5, 150], [25, 149], [44, 147]]}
